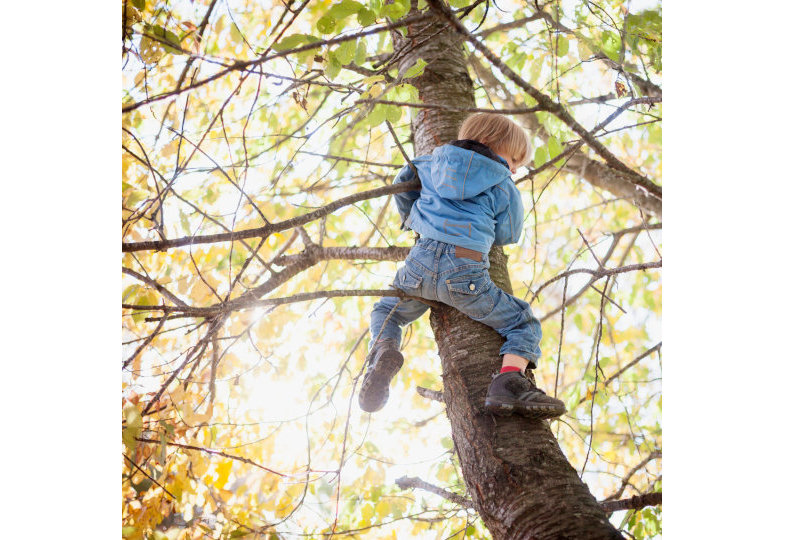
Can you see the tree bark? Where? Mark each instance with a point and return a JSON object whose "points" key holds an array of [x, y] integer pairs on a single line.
{"points": [[518, 478]]}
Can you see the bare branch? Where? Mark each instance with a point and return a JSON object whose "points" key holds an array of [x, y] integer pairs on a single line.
{"points": [[141, 470], [249, 303], [266, 230], [436, 395], [600, 273], [242, 65], [409, 482], [215, 453], [154, 284], [511, 25], [547, 103], [633, 503], [655, 454]]}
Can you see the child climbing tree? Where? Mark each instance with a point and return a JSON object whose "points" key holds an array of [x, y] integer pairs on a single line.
{"points": [[259, 147]]}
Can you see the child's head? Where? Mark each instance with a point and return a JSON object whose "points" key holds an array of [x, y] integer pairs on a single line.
{"points": [[501, 135]]}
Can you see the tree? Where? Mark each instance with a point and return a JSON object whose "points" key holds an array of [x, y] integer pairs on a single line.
{"points": [[211, 208]]}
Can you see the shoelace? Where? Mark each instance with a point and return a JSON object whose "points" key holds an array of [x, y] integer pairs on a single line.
{"points": [[532, 387]]}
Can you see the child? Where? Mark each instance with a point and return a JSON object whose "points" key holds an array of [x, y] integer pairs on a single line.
{"points": [[467, 203]]}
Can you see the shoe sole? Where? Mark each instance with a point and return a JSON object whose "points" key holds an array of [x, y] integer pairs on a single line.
{"points": [[376, 389], [502, 407]]}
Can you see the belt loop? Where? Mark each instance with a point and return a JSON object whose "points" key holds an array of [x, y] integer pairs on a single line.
{"points": [[437, 255]]}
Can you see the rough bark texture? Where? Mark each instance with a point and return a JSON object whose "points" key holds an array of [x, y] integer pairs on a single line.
{"points": [[518, 478]]}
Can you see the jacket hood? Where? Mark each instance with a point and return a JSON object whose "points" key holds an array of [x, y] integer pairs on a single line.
{"points": [[458, 173]]}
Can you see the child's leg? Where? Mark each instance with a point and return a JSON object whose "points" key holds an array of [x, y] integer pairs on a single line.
{"points": [[512, 362], [384, 360], [390, 314], [473, 293]]}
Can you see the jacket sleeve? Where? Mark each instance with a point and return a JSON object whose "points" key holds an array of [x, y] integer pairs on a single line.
{"points": [[405, 200], [509, 214]]}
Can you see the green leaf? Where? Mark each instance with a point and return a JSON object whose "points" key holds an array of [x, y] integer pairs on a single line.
{"points": [[563, 46], [129, 292], [168, 40], [234, 32], [377, 116], [238, 533], [133, 426], [536, 68], [416, 70], [584, 51], [333, 66], [574, 396], [393, 113], [326, 24], [554, 147], [133, 416], [540, 156], [345, 52], [138, 4], [345, 8], [395, 10], [611, 45], [291, 42], [405, 92], [360, 54], [128, 531], [366, 17], [147, 299]]}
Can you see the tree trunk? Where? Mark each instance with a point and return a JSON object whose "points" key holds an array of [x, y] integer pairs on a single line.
{"points": [[517, 476]]}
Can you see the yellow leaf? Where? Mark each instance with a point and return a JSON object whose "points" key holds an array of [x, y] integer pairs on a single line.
{"points": [[367, 512], [223, 469], [383, 508], [169, 148], [373, 79], [192, 418]]}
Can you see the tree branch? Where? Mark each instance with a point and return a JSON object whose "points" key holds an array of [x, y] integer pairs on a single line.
{"points": [[249, 303], [214, 453], [266, 230], [547, 103], [157, 286], [599, 273], [408, 482], [436, 395], [243, 65], [655, 454], [633, 503]]}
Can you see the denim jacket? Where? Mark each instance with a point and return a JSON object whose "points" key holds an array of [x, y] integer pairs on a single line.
{"points": [[467, 197]]}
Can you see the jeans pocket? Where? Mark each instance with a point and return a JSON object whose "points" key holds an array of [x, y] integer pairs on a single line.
{"points": [[408, 281], [469, 293]]}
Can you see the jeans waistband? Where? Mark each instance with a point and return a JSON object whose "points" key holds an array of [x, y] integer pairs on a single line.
{"points": [[430, 244]]}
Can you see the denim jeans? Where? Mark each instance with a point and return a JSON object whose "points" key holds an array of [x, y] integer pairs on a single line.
{"points": [[432, 271]]}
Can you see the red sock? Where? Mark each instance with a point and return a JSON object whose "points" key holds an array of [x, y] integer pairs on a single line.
{"points": [[505, 369]]}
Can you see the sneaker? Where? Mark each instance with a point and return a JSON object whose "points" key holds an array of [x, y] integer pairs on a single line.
{"points": [[512, 392], [384, 361]]}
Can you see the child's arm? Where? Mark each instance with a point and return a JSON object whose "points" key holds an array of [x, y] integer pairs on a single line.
{"points": [[509, 214], [405, 200]]}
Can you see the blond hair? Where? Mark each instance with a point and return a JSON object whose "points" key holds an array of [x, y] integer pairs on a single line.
{"points": [[499, 133]]}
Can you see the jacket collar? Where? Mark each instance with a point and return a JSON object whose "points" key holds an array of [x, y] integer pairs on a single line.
{"points": [[474, 146]]}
